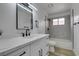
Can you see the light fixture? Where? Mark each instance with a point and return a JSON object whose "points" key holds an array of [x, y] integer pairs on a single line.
{"points": [[31, 6], [25, 8]]}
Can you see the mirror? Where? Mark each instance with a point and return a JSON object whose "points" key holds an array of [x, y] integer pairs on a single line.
{"points": [[24, 18]]}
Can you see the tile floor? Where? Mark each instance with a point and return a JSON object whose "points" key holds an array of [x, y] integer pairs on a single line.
{"points": [[61, 52]]}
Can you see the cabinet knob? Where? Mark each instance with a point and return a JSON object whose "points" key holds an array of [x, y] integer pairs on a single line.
{"points": [[39, 53]]}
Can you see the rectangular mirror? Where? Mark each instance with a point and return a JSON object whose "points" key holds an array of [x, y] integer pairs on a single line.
{"points": [[24, 17]]}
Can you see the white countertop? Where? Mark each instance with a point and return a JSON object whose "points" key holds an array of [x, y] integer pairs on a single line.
{"points": [[7, 44]]}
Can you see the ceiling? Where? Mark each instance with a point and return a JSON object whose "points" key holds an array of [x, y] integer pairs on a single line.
{"points": [[54, 7]]}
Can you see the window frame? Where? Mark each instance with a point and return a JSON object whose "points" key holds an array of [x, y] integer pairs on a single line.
{"points": [[58, 21]]}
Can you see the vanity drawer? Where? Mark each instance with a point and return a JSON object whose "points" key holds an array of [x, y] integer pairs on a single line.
{"points": [[25, 51]]}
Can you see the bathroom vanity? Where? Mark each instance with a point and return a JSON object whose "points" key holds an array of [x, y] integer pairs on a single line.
{"points": [[34, 45]]}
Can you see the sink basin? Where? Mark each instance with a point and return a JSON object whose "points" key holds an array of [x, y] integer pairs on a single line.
{"points": [[31, 36]]}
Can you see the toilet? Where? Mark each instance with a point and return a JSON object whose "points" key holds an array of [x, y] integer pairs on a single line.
{"points": [[52, 45]]}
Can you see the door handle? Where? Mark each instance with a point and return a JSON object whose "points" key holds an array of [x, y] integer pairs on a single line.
{"points": [[39, 53], [22, 53], [76, 23]]}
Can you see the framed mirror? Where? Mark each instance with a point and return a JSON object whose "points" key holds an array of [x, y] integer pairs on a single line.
{"points": [[24, 17]]}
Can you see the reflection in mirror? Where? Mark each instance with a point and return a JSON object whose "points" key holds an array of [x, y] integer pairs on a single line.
{"points": [[23, 16]]}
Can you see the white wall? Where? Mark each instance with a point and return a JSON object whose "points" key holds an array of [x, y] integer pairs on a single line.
{"points": [[8, 21], [40, 16], [62, 31]]}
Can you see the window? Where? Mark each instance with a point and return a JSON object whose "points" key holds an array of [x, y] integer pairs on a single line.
{"points": [[59, 21], [55, 22]]}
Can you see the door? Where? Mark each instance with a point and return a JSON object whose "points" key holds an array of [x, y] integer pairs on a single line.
{"points": [[76, 36], [72, 28]]}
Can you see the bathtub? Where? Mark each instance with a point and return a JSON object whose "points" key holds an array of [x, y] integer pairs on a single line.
{"points": [[62, 43]]}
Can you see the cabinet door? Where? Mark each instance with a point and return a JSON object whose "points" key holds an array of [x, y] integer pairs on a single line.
{"points": [[40, 47], [44, 46], [35, 48], [25, 51]]}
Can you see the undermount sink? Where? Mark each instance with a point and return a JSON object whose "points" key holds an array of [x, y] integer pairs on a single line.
{"points": [[32, 36], [29, 37]]}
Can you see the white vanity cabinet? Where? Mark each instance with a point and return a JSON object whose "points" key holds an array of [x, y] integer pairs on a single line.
{"points": [[40, 47], [37, 46], [45, 47]]}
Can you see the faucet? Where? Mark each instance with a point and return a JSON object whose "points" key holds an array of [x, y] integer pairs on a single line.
{"points": [[27, 32]]}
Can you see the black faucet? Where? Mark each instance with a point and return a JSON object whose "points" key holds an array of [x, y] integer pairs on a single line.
{"points": [[27, 30], [27, 33], [23, 34]]}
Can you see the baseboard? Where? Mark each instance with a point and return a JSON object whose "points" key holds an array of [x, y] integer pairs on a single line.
{"points": [[76, 52]]}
